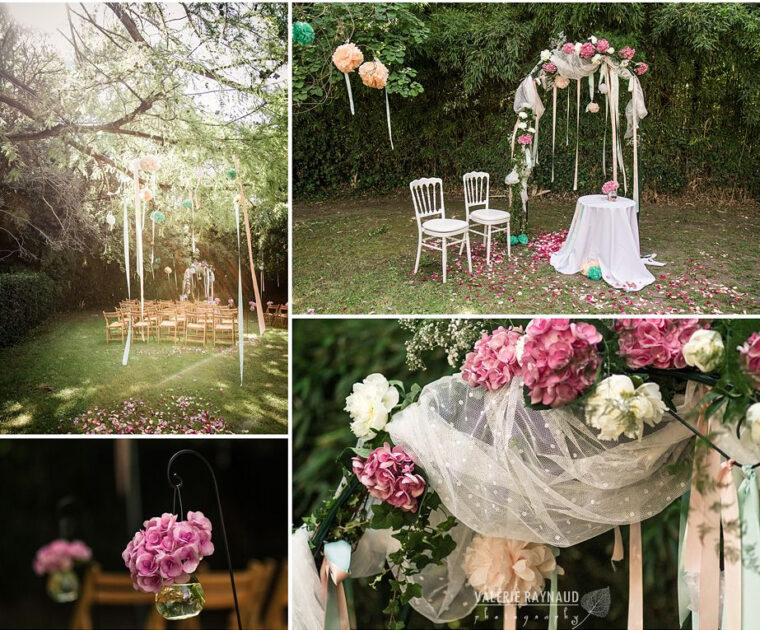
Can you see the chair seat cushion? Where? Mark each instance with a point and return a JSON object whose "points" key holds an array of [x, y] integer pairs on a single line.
{"points": [[115, 325], [197, 326], [487, 215], [444, 226]]}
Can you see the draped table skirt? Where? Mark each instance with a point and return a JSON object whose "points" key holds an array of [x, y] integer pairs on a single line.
{"points": [[607, 232]]}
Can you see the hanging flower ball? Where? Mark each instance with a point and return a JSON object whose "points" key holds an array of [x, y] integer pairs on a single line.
{"points": [[303, 33], [157, 216], [110, 219], [231, 174], [187, 204], [549, 67], [587, 50], [568, 48], [592, 108], [146, 194], [505, 568], [167, 270], [347, 57], [641, 68], [561, 82], [602, 46], [374, 74], [149, 163], [627, 52]]}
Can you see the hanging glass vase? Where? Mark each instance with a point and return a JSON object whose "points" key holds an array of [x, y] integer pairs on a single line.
{"points": [[63, 586], [180, 601]]}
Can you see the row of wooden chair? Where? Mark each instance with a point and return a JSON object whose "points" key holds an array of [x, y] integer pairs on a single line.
{"points": [[276, 315], [262, 591]]}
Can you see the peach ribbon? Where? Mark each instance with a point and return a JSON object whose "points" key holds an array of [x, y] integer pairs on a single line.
{"points": [[635, 580], [510, 617], [617, 550], [338, 575], [554, 125], [732, 548]]}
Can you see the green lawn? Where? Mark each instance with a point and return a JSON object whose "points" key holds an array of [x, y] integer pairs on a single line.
{"points": [[66, 368], [357, 256]]}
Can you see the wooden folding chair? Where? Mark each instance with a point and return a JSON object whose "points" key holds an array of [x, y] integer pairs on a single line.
{"points": [[195, 326], [114, 326], [224, 328], [168, 324], [282, 316]]}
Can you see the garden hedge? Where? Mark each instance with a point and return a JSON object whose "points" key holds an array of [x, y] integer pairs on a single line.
{"points": [[26, 299]]}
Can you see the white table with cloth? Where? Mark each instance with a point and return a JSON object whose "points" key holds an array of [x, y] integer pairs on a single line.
{"points": [[607, 232]]}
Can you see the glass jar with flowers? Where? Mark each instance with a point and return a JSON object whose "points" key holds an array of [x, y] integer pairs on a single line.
{"points": [[610, 189], [57, 560]]}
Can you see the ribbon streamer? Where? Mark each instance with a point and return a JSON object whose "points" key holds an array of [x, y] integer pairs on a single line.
{"points": [[350, 95], [618, 552], [335, 565], [635, 579], [554, 125], [125, 356], [510, 617], [577, 131], [567, 120], [388, 117], [732, 548], [553, 616], [635, 147], [138, 238], [240, 295], [749, 513]]}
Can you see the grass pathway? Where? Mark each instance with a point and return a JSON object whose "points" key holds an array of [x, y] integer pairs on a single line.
{"points": [[65, 368]]}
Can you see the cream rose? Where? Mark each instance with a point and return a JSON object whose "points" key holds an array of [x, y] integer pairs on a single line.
{"points": [[512, 179], [523, 115], [369, 405], [546, 55], [704, 350], [753, 420]]}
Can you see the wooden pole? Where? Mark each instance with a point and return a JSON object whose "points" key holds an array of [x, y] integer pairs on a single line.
{"points": [[243, 204]]}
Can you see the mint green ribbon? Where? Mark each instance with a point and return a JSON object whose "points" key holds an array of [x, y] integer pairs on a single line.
{"points": [[553, 602], [683, 589], [749, 515]]}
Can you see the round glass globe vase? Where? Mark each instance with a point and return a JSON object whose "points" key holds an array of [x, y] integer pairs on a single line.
{"points": [[180, 601], [63, 586]]}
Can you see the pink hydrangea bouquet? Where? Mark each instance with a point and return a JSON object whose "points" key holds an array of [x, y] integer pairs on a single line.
{"points": [[167, 551], [610, 189], [388, 473], [525, 139], [60, 555]]}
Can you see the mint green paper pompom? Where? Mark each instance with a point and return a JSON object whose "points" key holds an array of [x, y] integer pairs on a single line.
{"points": [[595, 273], [231, 174], [157, 216], [187, 203], [513, 240], [523, 239], [303, 33]]}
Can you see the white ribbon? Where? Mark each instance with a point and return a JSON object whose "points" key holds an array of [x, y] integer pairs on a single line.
{"points": [[138, 239], [125, 356], [240, 296], [577, 131], [554, 125], [388, 117], [350, 96]]}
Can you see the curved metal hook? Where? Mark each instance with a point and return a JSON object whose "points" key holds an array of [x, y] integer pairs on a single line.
{"points": [[175, 482]]}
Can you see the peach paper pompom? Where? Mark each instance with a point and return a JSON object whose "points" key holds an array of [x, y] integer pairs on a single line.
{"points": [[374, 74], [592, 108], [146, 194], [561, 82], [512, 570], [149, 163], [347, 57]]}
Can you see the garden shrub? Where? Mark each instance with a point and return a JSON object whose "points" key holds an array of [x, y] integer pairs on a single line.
{"points": [[26, 299]]}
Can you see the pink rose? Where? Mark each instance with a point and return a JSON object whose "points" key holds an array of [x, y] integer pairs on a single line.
{"points": [[587, 50], [493, 363], [204, 542], [147, 583], [641, 68], [549, 67], [568, 48], [389, 476], [655, 342], [199, 520], [146, 564], [602, 46], [60, 555], [169, 567], [189, 558], [185, 533], [749, 358], [153, 537], [525, 139], [627, 52]]}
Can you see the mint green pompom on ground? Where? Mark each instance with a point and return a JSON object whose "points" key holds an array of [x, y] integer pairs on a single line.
{"points": [[595, 273], [523, 239]]}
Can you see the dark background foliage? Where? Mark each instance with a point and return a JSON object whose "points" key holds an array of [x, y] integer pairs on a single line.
{"points": [[328, 357], [38, 474], [704, 105]]}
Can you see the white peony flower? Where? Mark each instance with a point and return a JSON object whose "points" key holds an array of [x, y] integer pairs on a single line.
{"points": [[624, 63], [531, 130], [593, 40], [753, 420], [523, 115], [512, 179], [616, 408], [522, 125], [369, 405], [546, 55], [704, 350], [610, 50], [577, 48]]}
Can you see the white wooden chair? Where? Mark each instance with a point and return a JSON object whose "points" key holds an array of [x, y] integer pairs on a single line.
{"points": [[427, 196], [490, 220]]}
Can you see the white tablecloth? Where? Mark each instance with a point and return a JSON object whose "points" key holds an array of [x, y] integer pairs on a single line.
{"points": [[606, 231]]}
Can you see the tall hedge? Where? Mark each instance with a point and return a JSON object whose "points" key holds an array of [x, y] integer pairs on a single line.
{"points": [[701, 134], [26, 299]]}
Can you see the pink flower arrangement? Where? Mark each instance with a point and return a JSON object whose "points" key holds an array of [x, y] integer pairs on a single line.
{"points": [[389, 476], [60, 555], [231, 302], [641, 68], [568, 48], [602, 46], [559, 360], [627, 52], [655, 342], [749, 356], [549, 67], [587, 50], [610, 186], [525, 139], [493, 363], [167, 551]]}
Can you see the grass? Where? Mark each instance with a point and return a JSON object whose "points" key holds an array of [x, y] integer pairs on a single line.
{"points": [[65, 368], [357, 256]]}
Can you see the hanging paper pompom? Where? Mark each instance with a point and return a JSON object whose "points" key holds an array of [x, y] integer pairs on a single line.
{"points": [[374, 74], [231, 174], [592, 108], [347, 57], [561, 82], [167, 270], [187, 203], [149, 163], [110, 219], [146, 194], [157, 216], [303, 33]]}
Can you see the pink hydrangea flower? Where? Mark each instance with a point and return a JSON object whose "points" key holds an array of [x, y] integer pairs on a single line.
{"points": [[602, 46], [549, 67], [641, 68], [60, 555], [389, 476], [587, 50], [749, 357], [627, 52], [493, 363], [655, 342], [610, 186], [525, 139], [167, 551], [568, 48], [559, 360]]}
